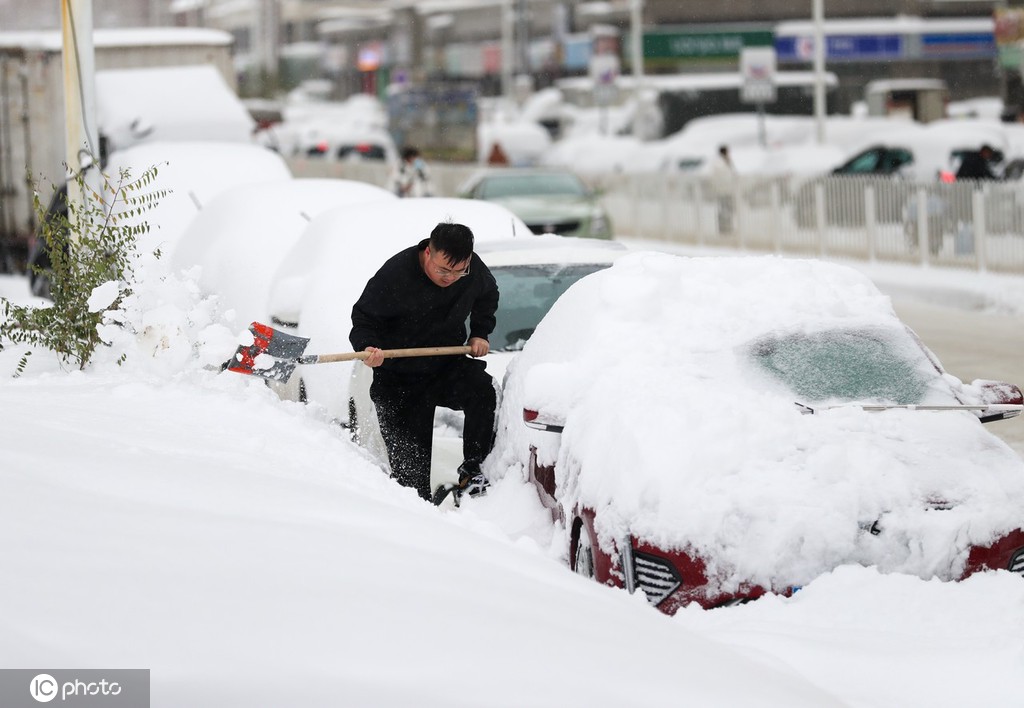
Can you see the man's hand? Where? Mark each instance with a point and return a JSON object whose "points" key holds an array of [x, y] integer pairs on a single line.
{"points": [[375, 357], [478, 347]]}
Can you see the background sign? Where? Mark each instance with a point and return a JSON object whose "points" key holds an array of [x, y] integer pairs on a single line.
{"points": [[666, 44], [757, 67]]}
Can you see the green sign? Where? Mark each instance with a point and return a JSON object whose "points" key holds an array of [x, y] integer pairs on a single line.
{"points": [[721, 44]]}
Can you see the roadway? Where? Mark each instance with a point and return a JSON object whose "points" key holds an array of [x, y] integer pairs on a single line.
{"points": [[972, 345]]}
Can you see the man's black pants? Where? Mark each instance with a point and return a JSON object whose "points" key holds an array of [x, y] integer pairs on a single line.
{"points": [[405, 409]]}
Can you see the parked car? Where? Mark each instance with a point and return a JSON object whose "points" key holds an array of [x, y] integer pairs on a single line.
{"points": [[321, 277], [351, 131], [241, 236], [550, 201], [532, 273], [713, 429], [193, 173]]}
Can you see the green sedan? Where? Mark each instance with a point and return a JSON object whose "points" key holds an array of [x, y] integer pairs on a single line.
{"points": [[549, 201]]}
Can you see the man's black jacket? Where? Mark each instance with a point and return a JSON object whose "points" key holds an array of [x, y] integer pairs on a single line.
{"points": [[973, 165], [400, 307]]}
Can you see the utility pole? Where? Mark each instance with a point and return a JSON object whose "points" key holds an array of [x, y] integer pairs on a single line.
{"points": [[508, 19], [523, 36], [81, 137], [819, 69], [636, 28], [266, 36]]}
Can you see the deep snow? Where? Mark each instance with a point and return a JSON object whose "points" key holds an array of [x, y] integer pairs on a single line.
{"points": [[162, 515]]}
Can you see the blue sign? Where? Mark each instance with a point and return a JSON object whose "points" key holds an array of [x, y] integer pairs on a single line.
{"points": [[840, 47], [961, 45]]}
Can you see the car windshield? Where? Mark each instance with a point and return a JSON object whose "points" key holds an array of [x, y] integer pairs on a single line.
{"points": [[877, 161], [555, 183], [526, 293], [866, 365]]}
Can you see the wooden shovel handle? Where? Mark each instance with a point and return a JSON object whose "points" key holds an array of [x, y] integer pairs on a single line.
{"points": [[392, 354]]}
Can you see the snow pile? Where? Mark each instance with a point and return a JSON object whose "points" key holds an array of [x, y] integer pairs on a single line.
{"points": [[165, 326], [155, 502], [681, 439]]}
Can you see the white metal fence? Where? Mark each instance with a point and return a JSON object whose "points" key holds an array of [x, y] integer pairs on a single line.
{"points": [[967, 225]]}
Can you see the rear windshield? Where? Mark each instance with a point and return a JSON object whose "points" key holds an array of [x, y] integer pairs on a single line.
{"points": [[527, 185], [526, 293]]}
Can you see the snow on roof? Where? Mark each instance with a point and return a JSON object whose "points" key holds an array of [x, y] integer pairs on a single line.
{"points": [[696, 82], [51, 40], [901, 24]]}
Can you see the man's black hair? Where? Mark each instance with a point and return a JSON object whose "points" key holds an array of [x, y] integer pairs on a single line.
{"points": [[410, 153], [454, 240]]}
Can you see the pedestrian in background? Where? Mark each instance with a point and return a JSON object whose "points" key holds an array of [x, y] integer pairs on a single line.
{"points": [[412, 179], [723, 184], [977, 164]]}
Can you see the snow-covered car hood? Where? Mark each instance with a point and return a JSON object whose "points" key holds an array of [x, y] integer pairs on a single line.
{"points": [[671, 435]]}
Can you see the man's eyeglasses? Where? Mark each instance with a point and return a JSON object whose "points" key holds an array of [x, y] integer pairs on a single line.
{"points": [[448, 272]]}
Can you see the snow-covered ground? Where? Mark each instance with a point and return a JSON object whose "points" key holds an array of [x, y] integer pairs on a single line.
{"points": [[163, 515]]}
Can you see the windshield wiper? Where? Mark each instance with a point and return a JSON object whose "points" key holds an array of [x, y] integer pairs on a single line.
{"points": [[993, 411]]}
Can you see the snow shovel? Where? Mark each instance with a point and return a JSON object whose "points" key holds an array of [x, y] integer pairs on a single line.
{"points": [[274, 354]]}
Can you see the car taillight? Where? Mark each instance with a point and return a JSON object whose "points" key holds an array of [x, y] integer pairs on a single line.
{"points": [[532, 419]]}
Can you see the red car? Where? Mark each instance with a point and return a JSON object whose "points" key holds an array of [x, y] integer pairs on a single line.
{"points": [[711, 430]]}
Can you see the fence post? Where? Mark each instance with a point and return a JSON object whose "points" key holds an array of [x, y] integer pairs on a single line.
{"points": [[698, 202], [819, 217], [739, 219], [635, 183], [870, 220], [923, 236], [775, 200], [666, 207], [979, 198]]}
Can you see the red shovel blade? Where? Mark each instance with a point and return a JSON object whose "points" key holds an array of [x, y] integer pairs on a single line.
{"points": [[272, 355]]}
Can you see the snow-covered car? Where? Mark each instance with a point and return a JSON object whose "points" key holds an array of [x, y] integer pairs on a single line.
{"points": [[241, 236], [351, 131], [713, 429], [550, 201], [532, 273], [191, 173], [317, 283]]}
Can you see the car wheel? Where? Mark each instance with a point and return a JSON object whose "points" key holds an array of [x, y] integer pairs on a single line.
{"points": [[583, 556]]}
